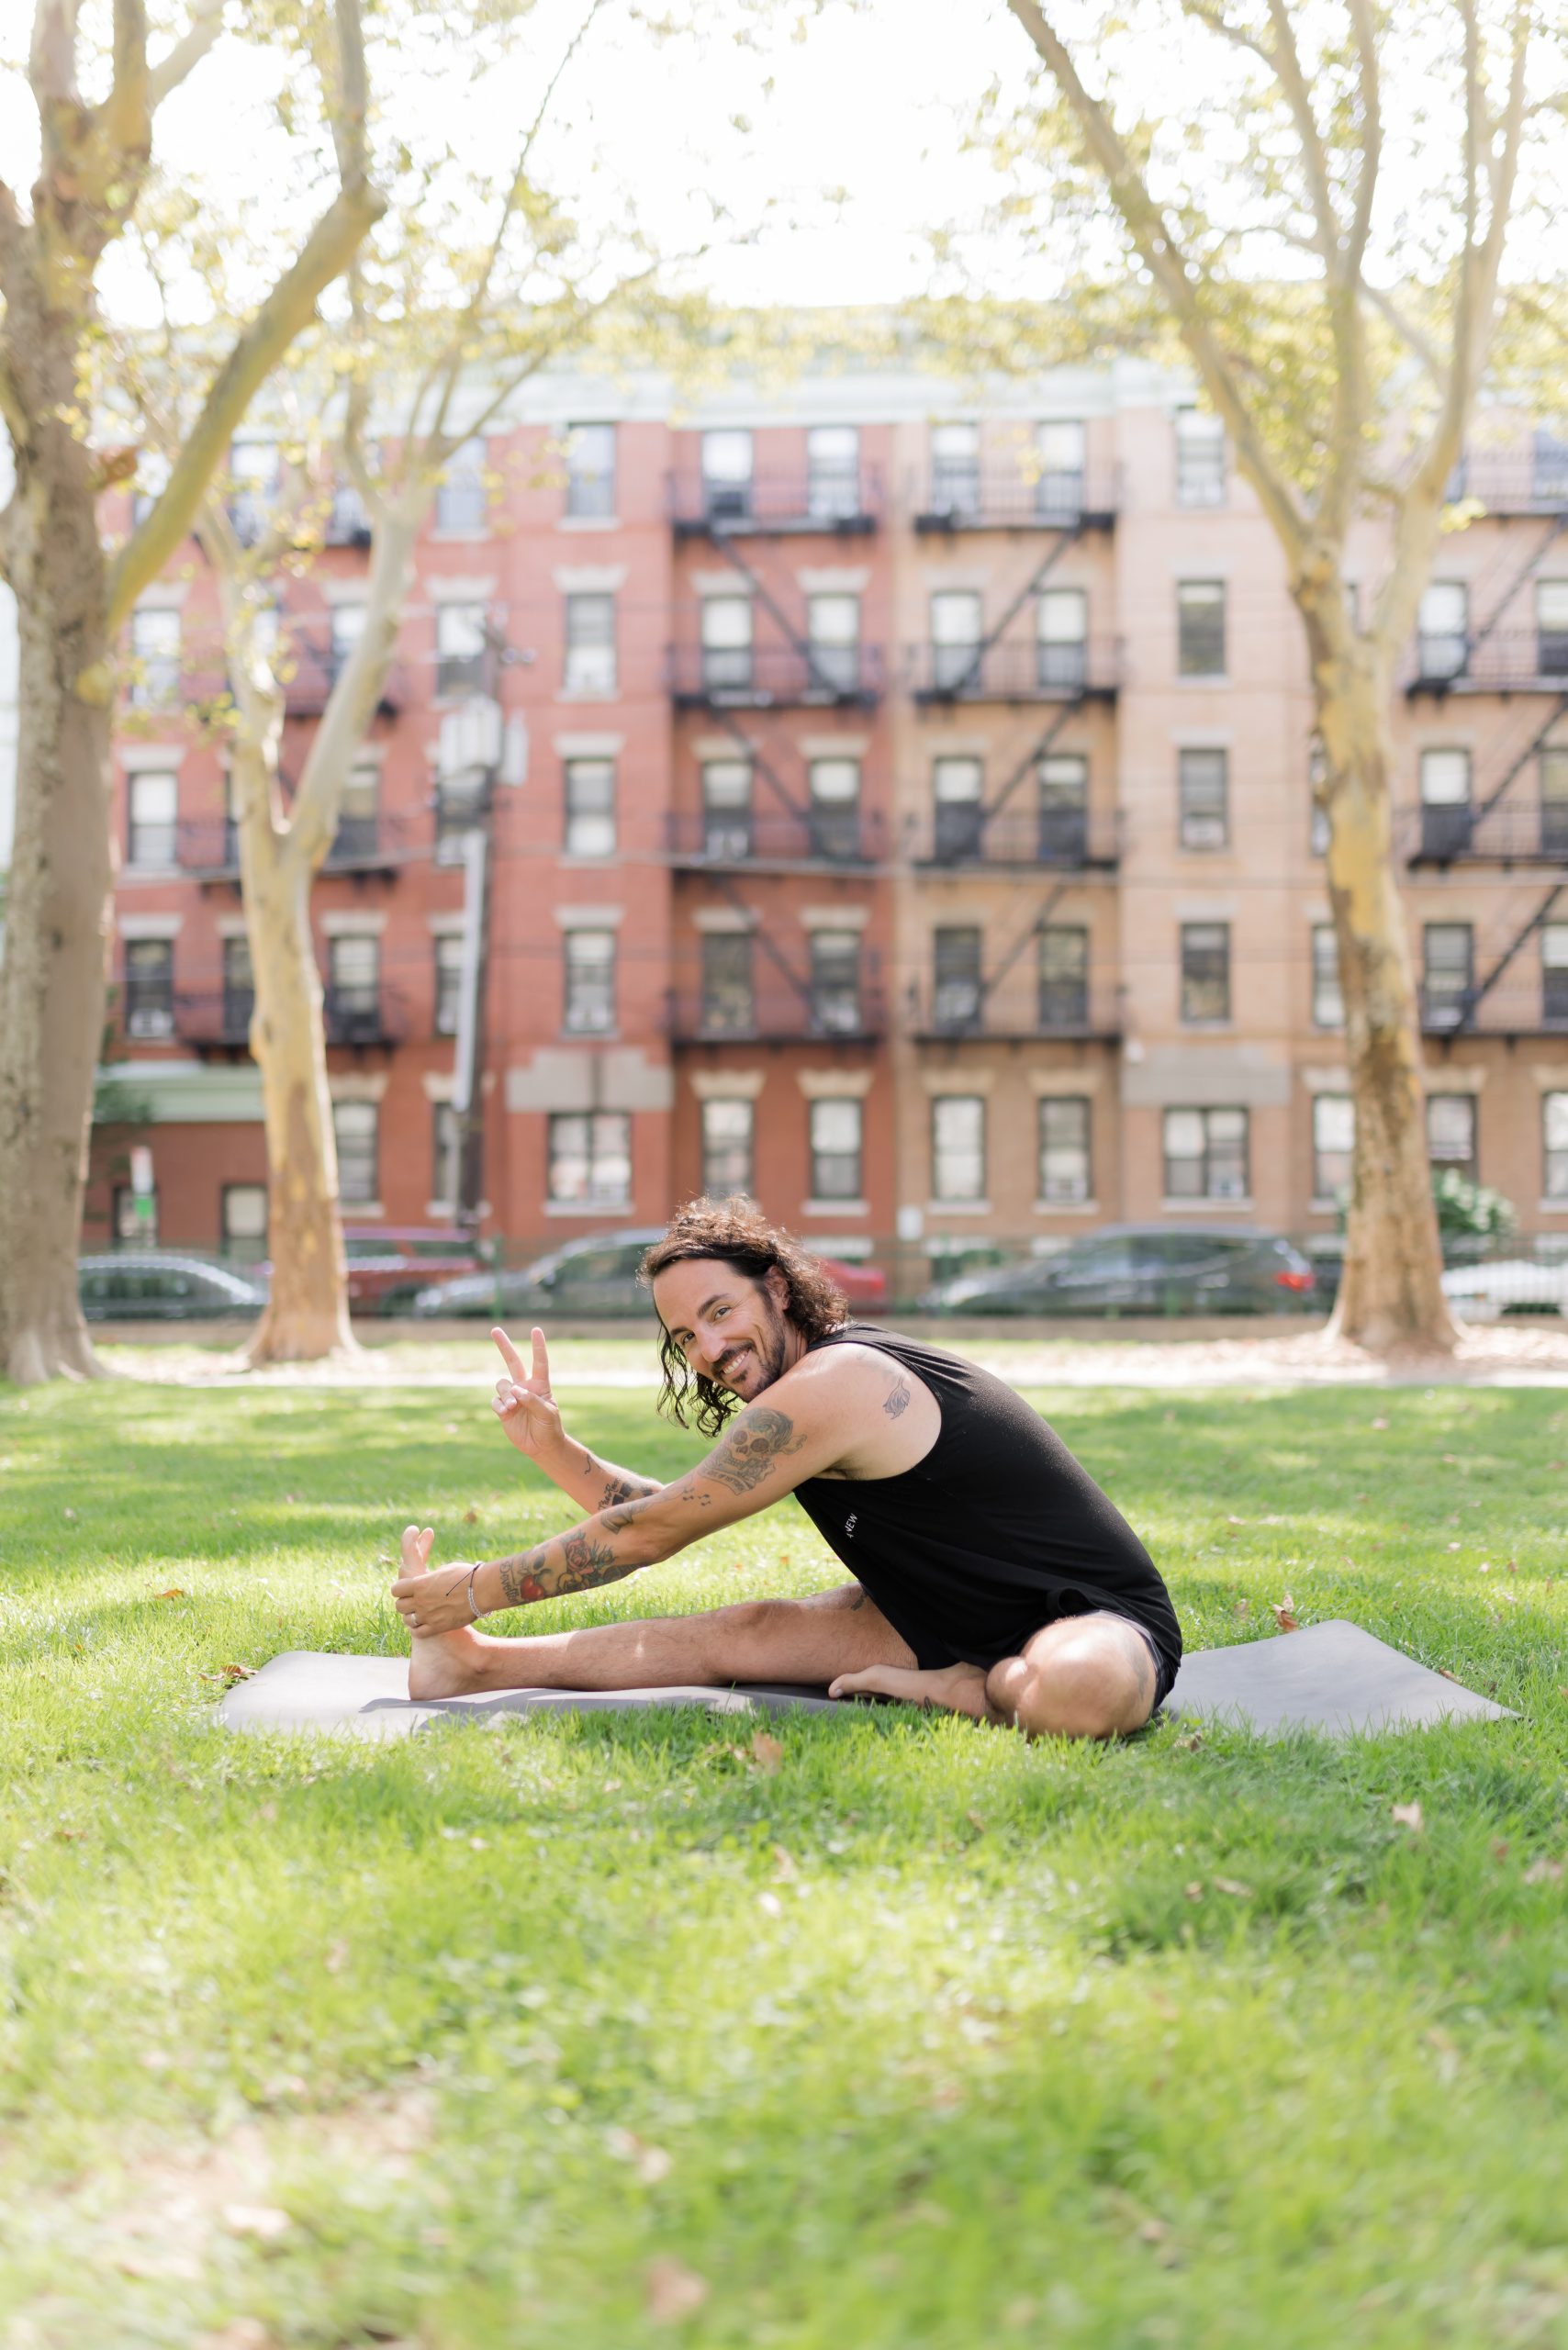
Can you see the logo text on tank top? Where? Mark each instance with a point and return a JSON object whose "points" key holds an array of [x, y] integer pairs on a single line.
{"points": [[849, 1522]]}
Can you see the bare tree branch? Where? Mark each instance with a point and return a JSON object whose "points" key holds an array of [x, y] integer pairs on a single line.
{"points": [[1409, 333], [1285, 59], [1147, 226], [124, 122], [180, 63], [51, 61], [1369, 84]]}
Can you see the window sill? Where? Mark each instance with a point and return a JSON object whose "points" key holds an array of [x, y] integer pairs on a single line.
{"points": [[588, 693], [152, 873], [439, 538], [1202, 677], [350, 1210], [957, 1207], [613, 1211], [1332, 1207], [836, 1207], [589, 522], [591, 1035], [1551, 1207], [1067, 1207], [1209, 1207]]}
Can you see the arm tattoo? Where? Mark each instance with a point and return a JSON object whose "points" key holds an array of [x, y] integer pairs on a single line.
{"points": [[744, 1457], [617, 1487], [582, 1560], [899, 1398]]}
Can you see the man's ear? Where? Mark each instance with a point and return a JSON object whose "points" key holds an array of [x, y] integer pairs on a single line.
{"points": [[777, 1288]]}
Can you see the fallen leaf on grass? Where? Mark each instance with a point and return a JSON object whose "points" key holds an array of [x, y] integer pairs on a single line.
{"points": [[1194, 1892], [173, 1592], [470, 1516], [770, 1905], [651, 2164], [976, 1822], [1445, 1675], [1233, 1886], [1544, 1872], [766, 1752], [1242, 1607], [1408, 1814], [1285, 1616], [1380, 1424], [261, 2220], [674, 2291], [1190, 1745]]}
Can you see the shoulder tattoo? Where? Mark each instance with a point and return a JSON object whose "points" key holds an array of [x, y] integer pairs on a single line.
{"points": [[745, 1455], [899, 1398]]}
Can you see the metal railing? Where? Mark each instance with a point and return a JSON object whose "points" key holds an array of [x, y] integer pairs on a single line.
{"points": [[216, 1017], [1500, 661], [738, 836], [1016, 497], [957, 833], [363, 1016], [1022, 1007], [774, 676], [1511, 481], [1529, 1005], [1516, 831], [843, 499], [1015, 672], [780, 1015], [379, 842]]}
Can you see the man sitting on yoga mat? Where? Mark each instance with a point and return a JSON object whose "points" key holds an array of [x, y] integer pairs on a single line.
{"points": [[993, 1577]]}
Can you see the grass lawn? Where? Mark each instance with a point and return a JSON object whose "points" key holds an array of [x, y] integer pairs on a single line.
{"points": [[616, 2032]]}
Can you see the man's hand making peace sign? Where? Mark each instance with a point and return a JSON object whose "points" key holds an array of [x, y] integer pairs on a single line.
{"points": [[531, 1419]]}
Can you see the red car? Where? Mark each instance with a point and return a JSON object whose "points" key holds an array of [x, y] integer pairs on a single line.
{"points": [[864, 1286], [386, 1266]]}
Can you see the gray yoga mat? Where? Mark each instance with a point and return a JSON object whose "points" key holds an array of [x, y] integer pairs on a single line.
{"points": [[1332, 1677]]}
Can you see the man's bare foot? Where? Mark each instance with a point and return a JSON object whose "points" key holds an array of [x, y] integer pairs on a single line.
{"points": [[451, 1664], [956, 1688]]}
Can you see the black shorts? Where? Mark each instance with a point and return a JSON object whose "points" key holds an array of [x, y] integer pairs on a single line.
{"points": [[931, 1653]]}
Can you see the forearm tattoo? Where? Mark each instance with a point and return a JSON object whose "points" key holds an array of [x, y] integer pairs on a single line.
{"points": [[618, 1486], [574, 1561]]}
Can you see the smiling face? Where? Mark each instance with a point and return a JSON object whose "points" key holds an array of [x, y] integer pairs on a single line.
{"points": [[730, 1328]]}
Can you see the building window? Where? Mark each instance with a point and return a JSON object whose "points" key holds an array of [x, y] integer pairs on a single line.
{"points": [[355, 1128], [1317, 780], [589, 982], [959, 994], [238, 990], [960, 818], [834, 786], [135, 1217], [1200, 458], [155, 658], [955, 468], [1206, 1155], [151, 829], [1554, 801], [590, 470], [1058, 454], [242, 1221], [728, 1133], [1554, 1145], [149, 987], [1061, 635], [1450, 1131], [957, 1146], [448, 945], [726, 628], [460, 649], [726, 474], [1200, 628], [1448, 972], [1203, 791], [1206, 971], [460, 502], [835, 982], [1064, 1179], [835, 1133], [1442, 630], [359, 814], [1063, 780], [590, 644], [590, 1158], [253, 477], [353, 989], [833, 636], [1333, 1140], [446, 1154], [833, 472], [956, 632], [1552, 628], [1064, 977], [726, 810], [1554, 974], [590, 808], [345, 627], [1447, 817], [1328, 996], [729, 999]]}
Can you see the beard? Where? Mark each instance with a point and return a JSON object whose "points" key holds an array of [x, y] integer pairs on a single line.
{"points": [[770, 1348]]}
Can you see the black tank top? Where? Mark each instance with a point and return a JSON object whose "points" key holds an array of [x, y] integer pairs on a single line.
{"points": [[995, 1532]]}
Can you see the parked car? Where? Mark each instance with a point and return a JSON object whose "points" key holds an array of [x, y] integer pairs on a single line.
{"points": [[147, 1285], [1507, 1285], [1141, 1269], [596, 1276], [387, 1266]]}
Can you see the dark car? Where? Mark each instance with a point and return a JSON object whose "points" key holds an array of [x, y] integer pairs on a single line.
{"points": [[146, 1285], [598, 1276], [1141, 1269]]}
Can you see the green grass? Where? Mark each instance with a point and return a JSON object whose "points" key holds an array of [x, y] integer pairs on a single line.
{"points": [[914, 2035]]}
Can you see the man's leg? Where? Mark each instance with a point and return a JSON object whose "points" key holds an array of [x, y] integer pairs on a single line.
{"points": [[1083, 1676], [807, 1640]]}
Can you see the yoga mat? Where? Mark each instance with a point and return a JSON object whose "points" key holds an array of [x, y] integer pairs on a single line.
{"points": [[1332, 1677]]}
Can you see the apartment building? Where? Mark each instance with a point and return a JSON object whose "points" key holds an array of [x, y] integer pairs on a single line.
{"points": [[896, 805]]}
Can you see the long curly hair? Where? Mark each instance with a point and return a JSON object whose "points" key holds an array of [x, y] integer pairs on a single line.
{"points": [[735, 1231]]}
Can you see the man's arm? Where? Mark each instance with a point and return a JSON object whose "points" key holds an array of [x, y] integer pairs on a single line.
{"points": [[763, 1454], [530, 1417]]}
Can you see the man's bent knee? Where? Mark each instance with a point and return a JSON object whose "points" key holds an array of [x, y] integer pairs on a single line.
{"points": [[1083, 1677]]}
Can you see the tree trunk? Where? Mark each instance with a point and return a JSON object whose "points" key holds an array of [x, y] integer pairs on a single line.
{"points": [[58, 914], [307, 1314], [1391, 1298]]}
